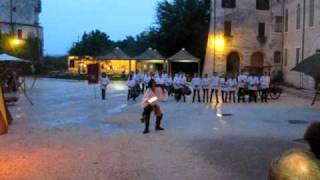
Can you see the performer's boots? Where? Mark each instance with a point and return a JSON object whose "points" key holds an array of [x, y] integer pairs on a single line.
{"points": [[146, 122], [158, 123]]}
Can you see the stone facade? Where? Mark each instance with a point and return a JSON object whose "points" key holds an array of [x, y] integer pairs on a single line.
{"points": [[255, 38], [21, 17]]}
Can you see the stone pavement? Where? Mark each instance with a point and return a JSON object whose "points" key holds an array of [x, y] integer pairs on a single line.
{"points": [[69, 134]]}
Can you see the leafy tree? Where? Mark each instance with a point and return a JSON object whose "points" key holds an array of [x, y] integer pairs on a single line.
{"points": [[94, 43], [182, 24]]}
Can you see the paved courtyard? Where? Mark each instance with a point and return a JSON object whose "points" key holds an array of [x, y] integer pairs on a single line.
{"points": [[70, 134]]}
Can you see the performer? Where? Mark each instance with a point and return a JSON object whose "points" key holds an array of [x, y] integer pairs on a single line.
{"points": [[224, 88], [104, 82], [242, 83], [232, 86], [150, 103], [182, 84], [214, 84], [131, 85], [196, 85], [264, 86], [205, 82], [253, 82]]}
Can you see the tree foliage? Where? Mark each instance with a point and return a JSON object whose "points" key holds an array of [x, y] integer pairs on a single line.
{"points": [[179, 24], [94, 43]]}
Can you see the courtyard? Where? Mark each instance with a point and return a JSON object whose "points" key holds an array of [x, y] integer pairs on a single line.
{"points": [[71, 134]]}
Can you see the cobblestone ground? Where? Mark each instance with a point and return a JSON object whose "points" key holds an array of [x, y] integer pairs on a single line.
{"points": [[68, 134]]}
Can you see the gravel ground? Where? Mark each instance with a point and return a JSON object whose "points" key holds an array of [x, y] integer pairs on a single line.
{"points": [[68, 134]]}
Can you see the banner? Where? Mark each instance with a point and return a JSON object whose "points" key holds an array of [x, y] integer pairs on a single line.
{"points": [[3, 115], [93, 73]]}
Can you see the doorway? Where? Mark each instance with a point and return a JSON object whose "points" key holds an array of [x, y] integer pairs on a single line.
{"points": [[233, 63]]}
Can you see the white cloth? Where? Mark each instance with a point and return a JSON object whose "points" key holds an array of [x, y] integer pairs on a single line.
{"points": [[160, 80], [223, 84], [196, 83], [205, 82], [215, 82], [265, 82], [104, 81], [253, 82], [146, 79], [150, 94], [232, 84], [242, 81], [131, 83]]}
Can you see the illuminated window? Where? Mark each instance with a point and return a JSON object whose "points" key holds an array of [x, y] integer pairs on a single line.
{"points": [[71, 64]]}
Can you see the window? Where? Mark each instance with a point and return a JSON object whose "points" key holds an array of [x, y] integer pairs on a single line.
{"points": [[297, 55], [286, 57], [227, 28], [262, 4], [277, 57], [286, 20], [261, 30], [71, 65], [311, 13], [19, 33], [298, 22], [228, 3], [279, 24]]}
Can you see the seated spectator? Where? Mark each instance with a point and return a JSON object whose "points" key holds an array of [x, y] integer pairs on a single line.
{"points": [[312, 136], [295, 165]]}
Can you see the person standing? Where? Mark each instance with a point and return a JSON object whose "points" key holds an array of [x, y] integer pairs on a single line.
{"points": [[131, 85], [205, 83], [182, 84], [196, 85], [214, 84], [232, 86], [253, 82], [150, 103], [264, 86], [242, 83], [104, 82], [224, 88]]}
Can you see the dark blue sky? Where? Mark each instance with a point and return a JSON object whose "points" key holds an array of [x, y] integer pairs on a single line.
{"points": [[64, 21]]}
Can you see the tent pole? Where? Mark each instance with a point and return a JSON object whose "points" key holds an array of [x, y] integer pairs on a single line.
{"points": [[315, 98]]}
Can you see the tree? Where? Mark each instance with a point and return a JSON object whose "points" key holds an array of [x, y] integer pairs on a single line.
{"points": [[94, 43], [182, 24]]}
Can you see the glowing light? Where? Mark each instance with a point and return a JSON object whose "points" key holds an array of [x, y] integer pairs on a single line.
{"points": [[16, 42], [219, 43]]}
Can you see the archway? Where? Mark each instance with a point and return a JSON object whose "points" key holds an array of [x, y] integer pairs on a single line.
{"points": [[233, 63], [256, 63]]}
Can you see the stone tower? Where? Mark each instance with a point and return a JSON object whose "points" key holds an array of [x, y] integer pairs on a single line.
{"points": [[21, 17]]}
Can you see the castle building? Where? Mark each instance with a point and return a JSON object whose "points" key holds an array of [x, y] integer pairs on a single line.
{"points": [[21, 18], [263, 36]]}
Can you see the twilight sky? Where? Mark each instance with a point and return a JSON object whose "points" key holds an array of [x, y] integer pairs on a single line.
{"points": [[64, 21]]}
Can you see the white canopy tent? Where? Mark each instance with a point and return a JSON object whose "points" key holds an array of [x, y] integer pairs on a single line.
{"points": [[5, 58]]}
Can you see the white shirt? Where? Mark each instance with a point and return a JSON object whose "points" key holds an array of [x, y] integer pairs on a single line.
{"points": [[160, 80], [265, 82], [104, 81], [150, 94], [205, 82], [182, 81], [146, 79], [131, 83], [232, 84], [214, 82], [196, 82], [223, 84], [253, 82], [242, 80]]}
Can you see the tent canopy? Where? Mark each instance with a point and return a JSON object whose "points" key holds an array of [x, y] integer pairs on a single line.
{"points": [[116, 54], [5, 58], [150, 54], [183, 56]]}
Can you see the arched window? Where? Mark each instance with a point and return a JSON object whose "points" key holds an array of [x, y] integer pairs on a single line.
{"points": [[263, 4], [228, 3], [298, 17]]}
